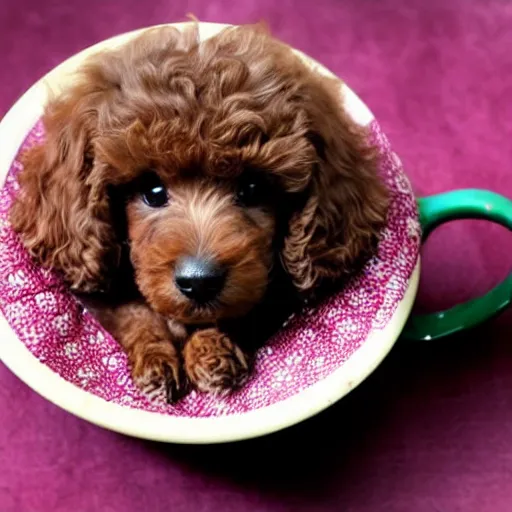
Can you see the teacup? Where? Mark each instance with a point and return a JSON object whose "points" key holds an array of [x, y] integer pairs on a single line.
{"points": [[59, 350]]}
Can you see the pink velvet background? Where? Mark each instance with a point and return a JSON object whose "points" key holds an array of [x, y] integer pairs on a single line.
{"points": [[431, 429]]}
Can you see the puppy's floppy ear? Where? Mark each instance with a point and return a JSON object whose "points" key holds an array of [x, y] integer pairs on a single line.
{"points": [[62, 210], [346, 203]]}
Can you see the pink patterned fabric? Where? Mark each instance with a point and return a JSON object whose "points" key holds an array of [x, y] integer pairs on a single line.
{"points": [[62, 335]]}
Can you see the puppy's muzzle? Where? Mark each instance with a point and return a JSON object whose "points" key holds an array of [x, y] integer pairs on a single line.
{"points": [[199, 279]]}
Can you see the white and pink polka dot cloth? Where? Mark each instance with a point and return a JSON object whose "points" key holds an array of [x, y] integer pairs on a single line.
{"points": [[61, 335]]}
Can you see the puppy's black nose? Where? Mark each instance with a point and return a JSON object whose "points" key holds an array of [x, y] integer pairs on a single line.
{"points": [[199, 279]]}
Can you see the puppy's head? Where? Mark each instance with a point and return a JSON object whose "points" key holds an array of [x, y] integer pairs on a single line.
{"points": [[214, 161]]}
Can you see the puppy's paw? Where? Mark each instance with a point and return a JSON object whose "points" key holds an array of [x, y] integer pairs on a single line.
{"points": [[214, 364], [158, 373]]}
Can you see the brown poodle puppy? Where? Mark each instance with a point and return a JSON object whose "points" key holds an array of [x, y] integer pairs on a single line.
{"points": [[191, 190]]}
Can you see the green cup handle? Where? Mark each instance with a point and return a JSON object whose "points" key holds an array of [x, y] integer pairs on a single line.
{"points": [[462, 204]]}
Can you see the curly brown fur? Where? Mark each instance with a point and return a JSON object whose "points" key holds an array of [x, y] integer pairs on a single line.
{"points": [[205, 120], [213, 362]]}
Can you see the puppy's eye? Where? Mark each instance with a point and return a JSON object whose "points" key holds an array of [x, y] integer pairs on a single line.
{"points": [[252, 189], [153, 192]]}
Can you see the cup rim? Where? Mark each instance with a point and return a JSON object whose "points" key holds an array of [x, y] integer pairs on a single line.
{"points": [[14, 127]]}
